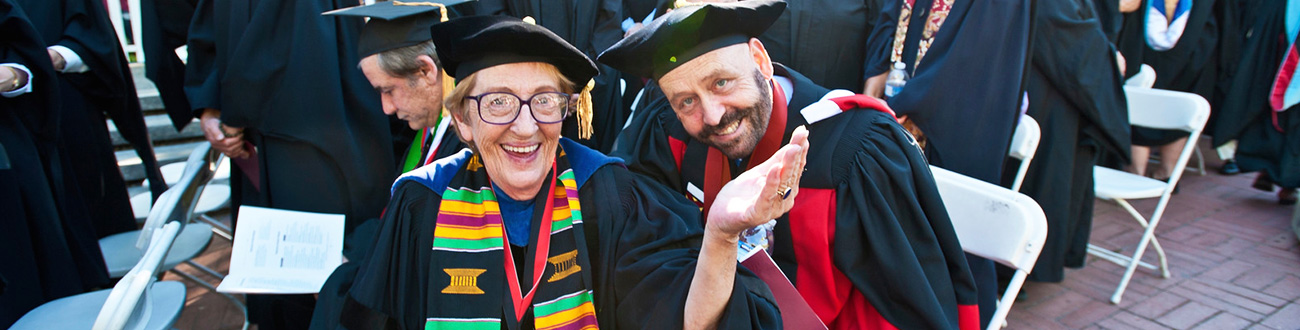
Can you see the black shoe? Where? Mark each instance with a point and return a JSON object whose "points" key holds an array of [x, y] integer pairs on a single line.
{"points": [[1229, 168], [1286, 196], [1263, 182]]}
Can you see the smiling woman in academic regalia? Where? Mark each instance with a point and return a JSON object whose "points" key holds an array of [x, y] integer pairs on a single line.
{"points": [[529, 229]]}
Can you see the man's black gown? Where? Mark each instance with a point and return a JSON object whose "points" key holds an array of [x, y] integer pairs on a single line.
{"points": [[643, 239], [591, 26], [1076, 94], [289, 77], [107, 89], [867, 196], [50, 248]]}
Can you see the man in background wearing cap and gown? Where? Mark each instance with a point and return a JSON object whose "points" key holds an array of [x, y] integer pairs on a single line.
{"points": [[278, 90], [401, 63], [874, 246]]}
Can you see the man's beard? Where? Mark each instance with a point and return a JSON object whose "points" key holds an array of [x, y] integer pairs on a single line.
{"points": [[757, 115]]}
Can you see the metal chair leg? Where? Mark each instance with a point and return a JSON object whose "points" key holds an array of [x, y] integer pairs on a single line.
{"points": [[217, 227]]}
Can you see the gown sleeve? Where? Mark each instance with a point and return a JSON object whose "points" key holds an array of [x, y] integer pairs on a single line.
{"points": [[645, 256], [201, 84], [390, 283], [880, 43], [1071, 51], [893, 237]]}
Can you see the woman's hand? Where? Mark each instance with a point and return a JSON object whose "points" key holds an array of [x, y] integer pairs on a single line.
{"points": [[762, 193]]}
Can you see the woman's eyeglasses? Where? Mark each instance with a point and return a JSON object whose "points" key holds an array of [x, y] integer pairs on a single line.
{"points": [[502, 108]]}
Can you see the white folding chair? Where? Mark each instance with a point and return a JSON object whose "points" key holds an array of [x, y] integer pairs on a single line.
{"points": [[1145, 78], [1024, 143], [1160, 109], [995, 223]]}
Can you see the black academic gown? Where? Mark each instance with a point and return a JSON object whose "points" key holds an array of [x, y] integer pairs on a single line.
{"points": [[164, 26], [643, 240], [1246, 113], [47, 255], [289, 77], [867, 195], [799, 39], [592, 26], [1195, 64], [107, 89], [1076, 94], [964, 94], [1261, 40]]}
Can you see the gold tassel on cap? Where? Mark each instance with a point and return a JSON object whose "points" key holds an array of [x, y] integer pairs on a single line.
{"points": [[448, 84], [441, 8], [585, 111]]}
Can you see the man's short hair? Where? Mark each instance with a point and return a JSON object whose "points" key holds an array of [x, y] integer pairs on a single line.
{"points": [[402, 61]]}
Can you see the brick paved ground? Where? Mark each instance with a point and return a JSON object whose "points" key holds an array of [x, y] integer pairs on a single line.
{"points": [[1234, 260]]}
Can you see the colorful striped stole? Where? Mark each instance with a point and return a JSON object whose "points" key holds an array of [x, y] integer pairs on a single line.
{"points": [[468, 286]]}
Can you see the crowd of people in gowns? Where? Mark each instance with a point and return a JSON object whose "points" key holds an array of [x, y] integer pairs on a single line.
{"points": [[674, 111]]}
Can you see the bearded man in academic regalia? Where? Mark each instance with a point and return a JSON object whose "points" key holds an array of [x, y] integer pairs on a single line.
{"points": [[868, 243]]}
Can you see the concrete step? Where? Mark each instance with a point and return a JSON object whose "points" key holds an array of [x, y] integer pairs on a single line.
{"points": [[170, 145], [161, 131], [133, 170]]}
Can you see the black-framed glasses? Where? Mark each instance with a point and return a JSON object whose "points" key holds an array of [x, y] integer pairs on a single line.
{"points": [[502, 108]]}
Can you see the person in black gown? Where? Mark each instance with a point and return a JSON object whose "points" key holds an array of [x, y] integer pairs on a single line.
{"points": [[951, 55], [1194, 63], [277, 89], [1076, 94], [1268, 141], [50, 246], [96, 85], [869, 243]]}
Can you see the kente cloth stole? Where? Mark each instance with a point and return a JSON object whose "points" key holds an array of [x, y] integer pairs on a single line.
{"points": [[718, 172], [938, 13], [470, 270]]}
